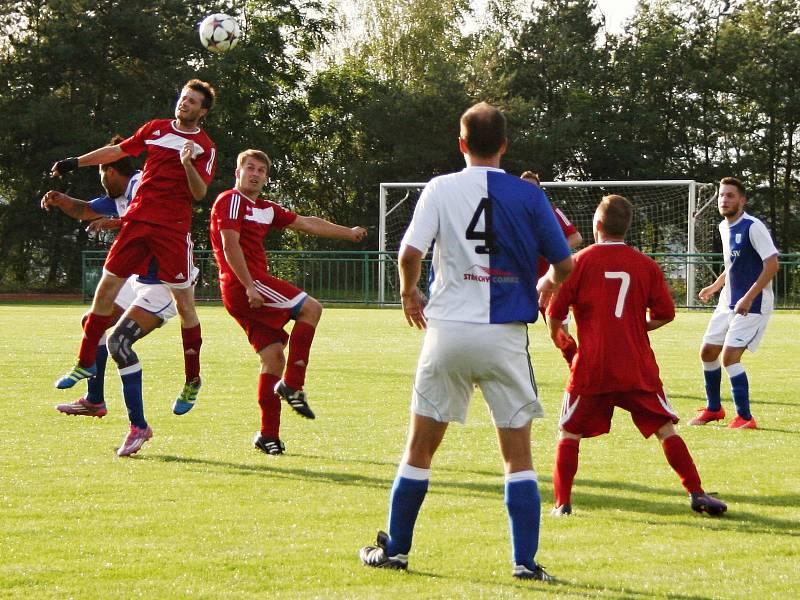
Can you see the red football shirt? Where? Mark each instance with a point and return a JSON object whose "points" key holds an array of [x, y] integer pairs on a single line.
{"points": [[567, 227], [163, 196], [610, 289], [253, 220]]}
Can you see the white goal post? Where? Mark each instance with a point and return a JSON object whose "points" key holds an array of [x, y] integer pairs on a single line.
{"points": [[674, 220]]}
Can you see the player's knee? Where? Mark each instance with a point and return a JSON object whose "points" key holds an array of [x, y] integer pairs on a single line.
{"points": [[709, 353], [311, 310], [120, 343]]}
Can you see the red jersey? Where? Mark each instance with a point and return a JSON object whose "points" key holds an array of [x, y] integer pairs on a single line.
{"points": [[253, 220], [163, 196], [610, 289], [567, 227]]}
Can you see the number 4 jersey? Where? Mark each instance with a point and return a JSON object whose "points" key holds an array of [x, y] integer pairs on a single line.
{"points": [[488, 230], [611, 289]]}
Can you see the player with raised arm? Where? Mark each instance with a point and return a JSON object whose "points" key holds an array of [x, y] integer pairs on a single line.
{"points": [[263, 304], [489, 229], [142, 304], [574, 239], [744, 308], [617, 295], [180, 164]]}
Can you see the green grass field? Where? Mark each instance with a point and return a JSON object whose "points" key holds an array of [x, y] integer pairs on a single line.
{"points": [[199, 513]]}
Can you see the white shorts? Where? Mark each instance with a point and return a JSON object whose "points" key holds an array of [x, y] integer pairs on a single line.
{"points": [[727, 328], [155, 298], [456, 356]]}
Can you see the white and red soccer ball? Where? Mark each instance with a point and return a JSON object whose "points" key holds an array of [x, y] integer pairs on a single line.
{"points": [[219, 32]]}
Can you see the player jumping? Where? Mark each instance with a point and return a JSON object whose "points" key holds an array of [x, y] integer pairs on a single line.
{"points": [[263, 304]]}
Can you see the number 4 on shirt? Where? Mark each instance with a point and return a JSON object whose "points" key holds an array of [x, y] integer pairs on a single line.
{"points": [[487, 235]]}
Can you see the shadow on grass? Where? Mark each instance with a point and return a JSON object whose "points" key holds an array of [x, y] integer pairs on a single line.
{"points": [[560, 587], [735, 520]]}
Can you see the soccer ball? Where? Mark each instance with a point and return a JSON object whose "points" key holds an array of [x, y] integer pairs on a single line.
{"points": [[219, 32]]}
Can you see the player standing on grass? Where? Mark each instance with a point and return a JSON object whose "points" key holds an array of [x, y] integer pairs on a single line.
{"points": [[574, 239], [180, 164], [617, 295], [744, 308], [489, 229], [263, 304]]}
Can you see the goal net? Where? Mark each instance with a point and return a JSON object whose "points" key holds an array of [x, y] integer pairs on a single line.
{"points": [[674, 221]]}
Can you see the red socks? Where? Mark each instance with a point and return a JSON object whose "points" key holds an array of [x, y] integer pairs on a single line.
{"points": [[565, 469], [191, 351], [299, 348], [681, 461], [270, 405], [93, 329]]}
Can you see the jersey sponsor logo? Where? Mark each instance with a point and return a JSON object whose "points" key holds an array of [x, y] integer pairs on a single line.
{"points": [[735, 253], [260, 215], [175, 142], [482, 274]]}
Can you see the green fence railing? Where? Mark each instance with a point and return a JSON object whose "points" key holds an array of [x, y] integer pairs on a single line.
{"points": [[354, 277]]}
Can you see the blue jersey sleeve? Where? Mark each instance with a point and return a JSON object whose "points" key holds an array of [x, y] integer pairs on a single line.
{"points": [[104, 206]]}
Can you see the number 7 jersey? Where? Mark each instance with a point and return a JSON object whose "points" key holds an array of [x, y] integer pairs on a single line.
{"points": [[611, 289], [488, 230]]}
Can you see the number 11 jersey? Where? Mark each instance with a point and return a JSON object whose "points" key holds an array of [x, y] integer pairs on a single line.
{"points": [[488, 230], [611, 289]]}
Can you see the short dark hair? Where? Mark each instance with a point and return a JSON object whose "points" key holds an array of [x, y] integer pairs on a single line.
{"points": [[209, 95], [483, 129], [531, 175], [735, 183], [124, 166], [616, 214]]}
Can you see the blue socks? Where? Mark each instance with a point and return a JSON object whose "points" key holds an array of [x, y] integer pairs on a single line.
{"points": [[95, 392], [524, 511], [132, 391], [712, 373], [740, 389], [408, 493]]}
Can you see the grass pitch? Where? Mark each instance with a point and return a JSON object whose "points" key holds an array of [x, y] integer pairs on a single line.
{"points": [[199, 513]]}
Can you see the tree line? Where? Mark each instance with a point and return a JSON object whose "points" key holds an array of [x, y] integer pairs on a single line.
{"points": [[344, 96]]}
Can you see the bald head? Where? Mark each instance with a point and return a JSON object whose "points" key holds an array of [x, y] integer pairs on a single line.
{"points": [[483, 129]]}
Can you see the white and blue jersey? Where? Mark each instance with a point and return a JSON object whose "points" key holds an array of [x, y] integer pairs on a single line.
{"points": [[116, 207], [489, 230], [746, 244]]}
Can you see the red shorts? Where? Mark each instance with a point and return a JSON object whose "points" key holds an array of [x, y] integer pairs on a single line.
{"points": [[590, 415], [139, 244], [264, 325]]}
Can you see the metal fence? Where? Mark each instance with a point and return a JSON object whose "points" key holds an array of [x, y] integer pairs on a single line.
{"points": [[353, 277]]}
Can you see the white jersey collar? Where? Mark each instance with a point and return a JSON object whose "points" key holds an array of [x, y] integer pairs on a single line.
{"points": [[737, 221], [480, 168]]}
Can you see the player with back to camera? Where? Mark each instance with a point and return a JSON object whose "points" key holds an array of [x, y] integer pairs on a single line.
{"points": [[574, 239], [489, 229], [142, 304], [180, 164], [617, 295], [263, 304], [744, 308]]}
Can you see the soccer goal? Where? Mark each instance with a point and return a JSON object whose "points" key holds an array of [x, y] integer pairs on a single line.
{"points": [[675, 221]]}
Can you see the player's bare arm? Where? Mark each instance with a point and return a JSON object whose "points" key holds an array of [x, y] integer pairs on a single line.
{"points": [[548, 284], [197, 186], [322, 228], [575, 240], [707, 292], [653, 324], [560, 338], [410, 266], [101, 156], [72, 207], [235, 257], [104, 224], [767, 273]]}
